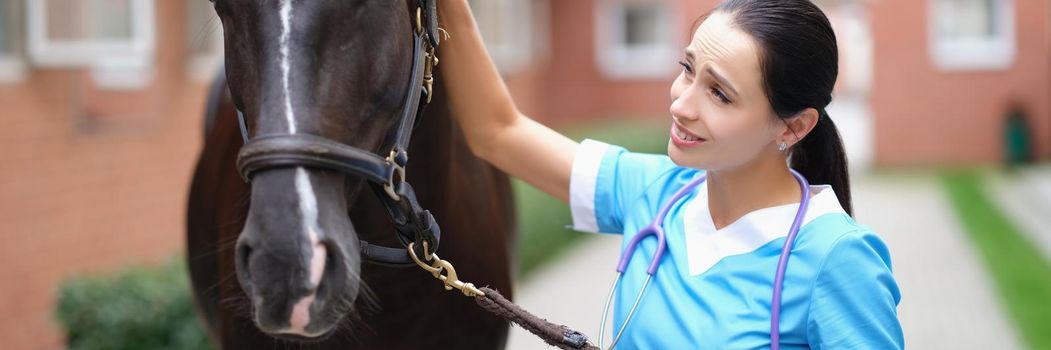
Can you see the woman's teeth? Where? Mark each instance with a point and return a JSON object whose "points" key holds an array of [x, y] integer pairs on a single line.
{"points": [[683, 136]]}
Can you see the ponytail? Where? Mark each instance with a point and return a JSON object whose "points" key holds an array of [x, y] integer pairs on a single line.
{"points": [[799, 58], [821, 159]]}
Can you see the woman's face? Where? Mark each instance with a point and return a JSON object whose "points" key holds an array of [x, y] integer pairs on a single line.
{"points": [[719, 97]]}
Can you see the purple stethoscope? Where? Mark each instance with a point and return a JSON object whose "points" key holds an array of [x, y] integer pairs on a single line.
{"points": [[655, 229]]}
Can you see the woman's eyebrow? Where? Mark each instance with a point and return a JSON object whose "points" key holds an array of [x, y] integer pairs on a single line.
{"points": [[691, 55], [708, 68], [721, 79]]}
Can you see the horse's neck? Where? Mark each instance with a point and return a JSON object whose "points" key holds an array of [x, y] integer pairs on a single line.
{"points": [[438, 147]]}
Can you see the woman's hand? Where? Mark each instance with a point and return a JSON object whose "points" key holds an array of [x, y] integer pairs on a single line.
{"points": [[479, 100]]}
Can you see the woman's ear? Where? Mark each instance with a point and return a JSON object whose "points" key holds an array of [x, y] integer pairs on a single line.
{"points": [[799, 126]]}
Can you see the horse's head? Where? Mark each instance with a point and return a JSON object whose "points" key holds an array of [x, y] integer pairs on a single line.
{"points": [[338, 69]]}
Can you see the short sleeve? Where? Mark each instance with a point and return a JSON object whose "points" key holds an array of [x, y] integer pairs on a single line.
{"points": [[605, 179], [855, 297]]}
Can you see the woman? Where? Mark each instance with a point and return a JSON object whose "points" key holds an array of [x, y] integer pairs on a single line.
{"points": [[755, 80]]}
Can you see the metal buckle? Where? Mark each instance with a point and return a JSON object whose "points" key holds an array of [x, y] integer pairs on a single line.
{"points": [[389, 186], [419, 20]]}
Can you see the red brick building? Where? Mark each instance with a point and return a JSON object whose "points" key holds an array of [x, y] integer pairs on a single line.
{"points": [[97, 157], [947, 72], [102, 106], [921, 82]]}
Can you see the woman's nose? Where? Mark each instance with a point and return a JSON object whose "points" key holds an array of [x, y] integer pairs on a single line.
{"points": [[685, 106]]}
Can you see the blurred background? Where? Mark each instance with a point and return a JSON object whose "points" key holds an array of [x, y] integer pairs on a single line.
{"points": [[943, 105]]}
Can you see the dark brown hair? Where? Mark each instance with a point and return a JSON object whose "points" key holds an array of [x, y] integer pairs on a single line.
{"points": [[799, 59]]}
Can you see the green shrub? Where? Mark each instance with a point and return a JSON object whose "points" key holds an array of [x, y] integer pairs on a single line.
{"points": [[138, 308]]}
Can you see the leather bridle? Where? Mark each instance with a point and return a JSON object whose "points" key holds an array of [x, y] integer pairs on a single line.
{"points": [[416, 229], [385, 175]]}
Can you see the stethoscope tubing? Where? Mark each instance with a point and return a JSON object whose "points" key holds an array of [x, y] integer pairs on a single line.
{"points": [[654, 228]]}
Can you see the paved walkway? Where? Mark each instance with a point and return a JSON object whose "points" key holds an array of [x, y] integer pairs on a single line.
{"points": [[571, 291], [1025, 197], [948, 301]]}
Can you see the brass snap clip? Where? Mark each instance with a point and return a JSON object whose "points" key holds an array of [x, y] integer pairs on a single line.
{"points": [[430, 62], [449, 279]]}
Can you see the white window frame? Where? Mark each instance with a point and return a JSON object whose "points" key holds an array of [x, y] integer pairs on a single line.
{"points": [[115, 64], [962, 54], [854, 30], [202, 66], [12, 64], [618, 61], [516, 19]]}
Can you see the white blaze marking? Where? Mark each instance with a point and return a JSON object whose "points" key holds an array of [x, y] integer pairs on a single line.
{"points": [[300, 316], [308, 209], [286, 34]]}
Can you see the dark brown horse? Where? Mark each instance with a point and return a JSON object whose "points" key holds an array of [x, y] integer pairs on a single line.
{"points": [[277, 263]]}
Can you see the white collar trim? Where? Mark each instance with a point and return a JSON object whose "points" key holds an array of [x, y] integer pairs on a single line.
{"points": [[706, 246]]}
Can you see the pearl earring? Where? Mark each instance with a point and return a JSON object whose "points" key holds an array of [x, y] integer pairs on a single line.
{"points": [[782, 146]]}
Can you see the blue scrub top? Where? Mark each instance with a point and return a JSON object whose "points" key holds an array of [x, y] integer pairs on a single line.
{"points": [[713, 288]]}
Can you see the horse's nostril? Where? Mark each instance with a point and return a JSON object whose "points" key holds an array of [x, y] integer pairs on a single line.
{"points": [[330, 258], [244, 251]]}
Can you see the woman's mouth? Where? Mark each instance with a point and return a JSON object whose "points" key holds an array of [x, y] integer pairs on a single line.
{"points": [[684, 138]]}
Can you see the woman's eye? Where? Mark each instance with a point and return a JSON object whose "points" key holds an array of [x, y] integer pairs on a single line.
{"points": [[686, 67], [720, 95]]}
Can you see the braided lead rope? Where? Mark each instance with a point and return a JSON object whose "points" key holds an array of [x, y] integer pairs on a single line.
{"points": [[491, 300], [554, 334]]}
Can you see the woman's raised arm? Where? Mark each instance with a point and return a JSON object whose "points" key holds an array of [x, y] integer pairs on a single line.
{"points": [[496, 131]]}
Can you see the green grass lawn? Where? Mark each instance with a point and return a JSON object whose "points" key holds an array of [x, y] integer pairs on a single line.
{"points": [[542, 219], [1022, 276]]}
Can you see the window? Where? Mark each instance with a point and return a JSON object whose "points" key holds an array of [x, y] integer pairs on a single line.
{"points": [[850, 20], [12, 67], [641, 25], [507, 29], [204, 41], [115, 38], [972, 34], [634, 39]]}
